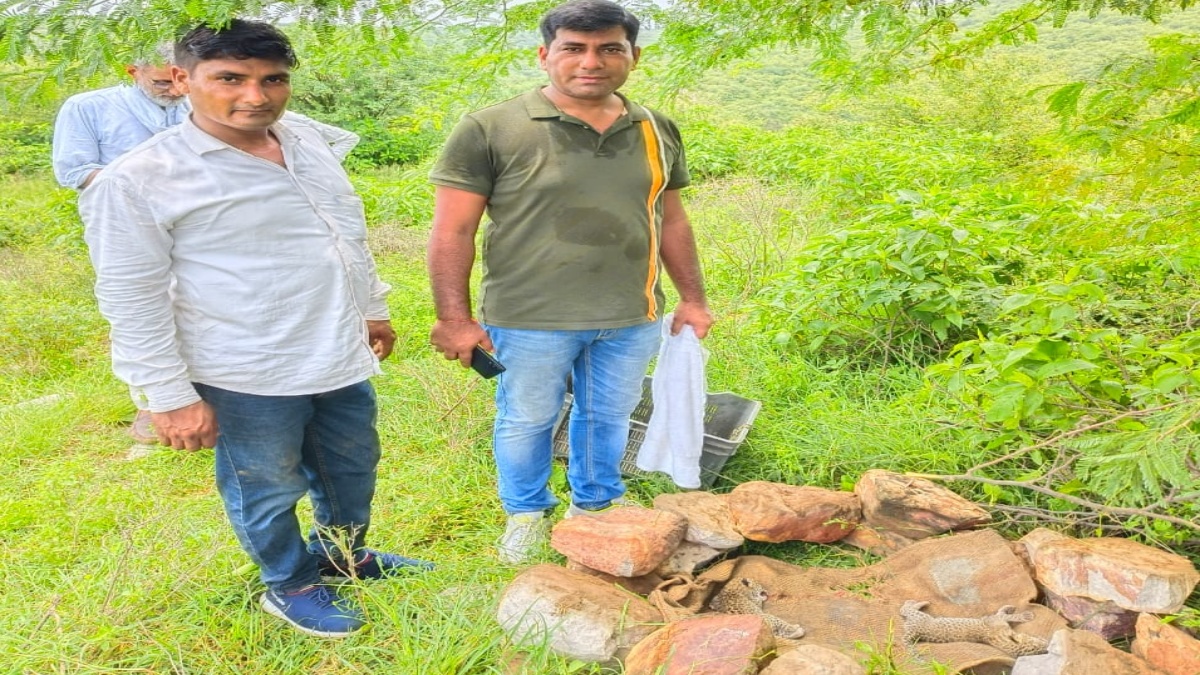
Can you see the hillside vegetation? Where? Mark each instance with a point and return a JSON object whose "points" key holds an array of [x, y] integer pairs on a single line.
{"points": [[985, 273]]}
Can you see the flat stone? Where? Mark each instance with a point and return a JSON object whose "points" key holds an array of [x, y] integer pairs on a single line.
{"points": [[814, 660], [717, 644], [686, 558], [1165, 647], [1080, 652], [577, 615], [1132, 576], [914, 507], [630, 541], [708, 518], [775, 512]]}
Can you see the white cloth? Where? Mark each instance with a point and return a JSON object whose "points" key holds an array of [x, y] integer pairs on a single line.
{"points": [[94, 128], [675, 433], [219, 267]]}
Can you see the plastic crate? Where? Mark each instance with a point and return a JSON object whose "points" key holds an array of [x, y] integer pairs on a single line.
{"points": [[727, 421]]}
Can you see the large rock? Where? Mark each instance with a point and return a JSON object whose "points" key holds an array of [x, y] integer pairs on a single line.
{"points": [[1132, 576], [775, 512], [814, 660], [1165, 647], [1080, 652], [717, 644], [579, 616], [626, 542], [914, 507], [709, 520], [642, 585]]}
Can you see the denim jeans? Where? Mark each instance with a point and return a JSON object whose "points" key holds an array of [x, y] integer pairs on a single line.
{"points": [[606, 368], [271, 450]]}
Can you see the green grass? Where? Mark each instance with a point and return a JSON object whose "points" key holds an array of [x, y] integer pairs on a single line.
{"points": [[118, 565]]}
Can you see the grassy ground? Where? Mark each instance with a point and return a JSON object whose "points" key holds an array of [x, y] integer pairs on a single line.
{"points": [[113, 564]]}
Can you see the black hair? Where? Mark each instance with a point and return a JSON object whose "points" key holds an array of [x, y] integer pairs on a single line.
{"points": [[589, 16], [240, 40]]}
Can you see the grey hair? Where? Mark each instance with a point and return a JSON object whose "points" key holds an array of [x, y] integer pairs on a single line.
{"points": [[163, 55]]}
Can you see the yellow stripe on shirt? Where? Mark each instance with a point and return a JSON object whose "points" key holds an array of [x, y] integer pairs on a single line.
{"points": [[657, 181]]}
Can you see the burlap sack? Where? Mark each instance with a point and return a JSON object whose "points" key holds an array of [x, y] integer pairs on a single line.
{"points": [[856, 611]]}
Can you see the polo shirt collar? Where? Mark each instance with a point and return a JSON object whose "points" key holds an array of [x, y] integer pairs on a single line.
{"points": [[201, 141], [540, 107]]}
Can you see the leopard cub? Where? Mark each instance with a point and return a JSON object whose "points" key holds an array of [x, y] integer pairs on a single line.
{"points": [[746, 596]]}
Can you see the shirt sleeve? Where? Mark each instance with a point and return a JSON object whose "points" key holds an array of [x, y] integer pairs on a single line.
{"points": [[465, 161], [679, 177], [75, 151], [130, 253], [339, 140]]}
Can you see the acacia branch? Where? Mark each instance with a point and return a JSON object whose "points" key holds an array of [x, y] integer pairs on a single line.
{"points": [[1085, 503]]}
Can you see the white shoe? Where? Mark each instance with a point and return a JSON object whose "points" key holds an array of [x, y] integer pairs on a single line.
{"points": [[524, 535], [573, 510]]}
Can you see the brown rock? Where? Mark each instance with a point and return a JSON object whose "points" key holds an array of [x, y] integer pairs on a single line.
{"points": [[914, 507], [1102, 617], [638, 585], [814, 660], [775, 512], [1165, 647], [876, 541], [1133, 576], [577, 615], [718, 644], [626, 542], [708, 518], [1080, 652]]}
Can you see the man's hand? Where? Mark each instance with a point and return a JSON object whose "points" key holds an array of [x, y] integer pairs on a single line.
{"points": [[694, 314], [455, 339], [382, 338], [190, 428]]}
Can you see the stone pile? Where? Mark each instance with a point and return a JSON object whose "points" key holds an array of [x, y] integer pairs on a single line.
{"points": [[595, 609]]}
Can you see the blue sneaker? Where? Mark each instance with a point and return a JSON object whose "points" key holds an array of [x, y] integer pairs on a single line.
{"points": [[373, 565], [315, 610]]}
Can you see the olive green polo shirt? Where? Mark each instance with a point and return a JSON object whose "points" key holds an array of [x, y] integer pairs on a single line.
{"points": [[575, 217]]}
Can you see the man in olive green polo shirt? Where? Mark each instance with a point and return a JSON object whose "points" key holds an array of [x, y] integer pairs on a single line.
{"points": [[581, 187]]}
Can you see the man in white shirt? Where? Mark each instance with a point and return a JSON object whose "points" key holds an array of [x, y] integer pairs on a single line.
{"points": [[247, 315], [94, 128]]}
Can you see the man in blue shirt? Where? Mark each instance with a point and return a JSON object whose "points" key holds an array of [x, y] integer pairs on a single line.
{"points": [[94, 128]]}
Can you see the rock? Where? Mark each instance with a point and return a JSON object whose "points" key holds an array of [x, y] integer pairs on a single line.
{"points": [[1102, 617], [814, 660], [775, 512], [717, 644], [577, 615], [1133, 576], [876, 541], [686, 558], [642, 585], [626, 542], [708, 518], [914, 507], [1165, 647], [1027, 546], [1080, 652]]}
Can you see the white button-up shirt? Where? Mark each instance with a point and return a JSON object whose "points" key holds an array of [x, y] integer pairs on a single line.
{"points": [[219, 267], [95, 127]]}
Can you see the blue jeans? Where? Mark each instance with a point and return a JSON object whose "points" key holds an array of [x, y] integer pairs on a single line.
{"points": [[273, 449], [606, 368]]}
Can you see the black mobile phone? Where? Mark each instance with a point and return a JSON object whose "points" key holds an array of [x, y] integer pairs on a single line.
{"points": [[484, 363]]}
